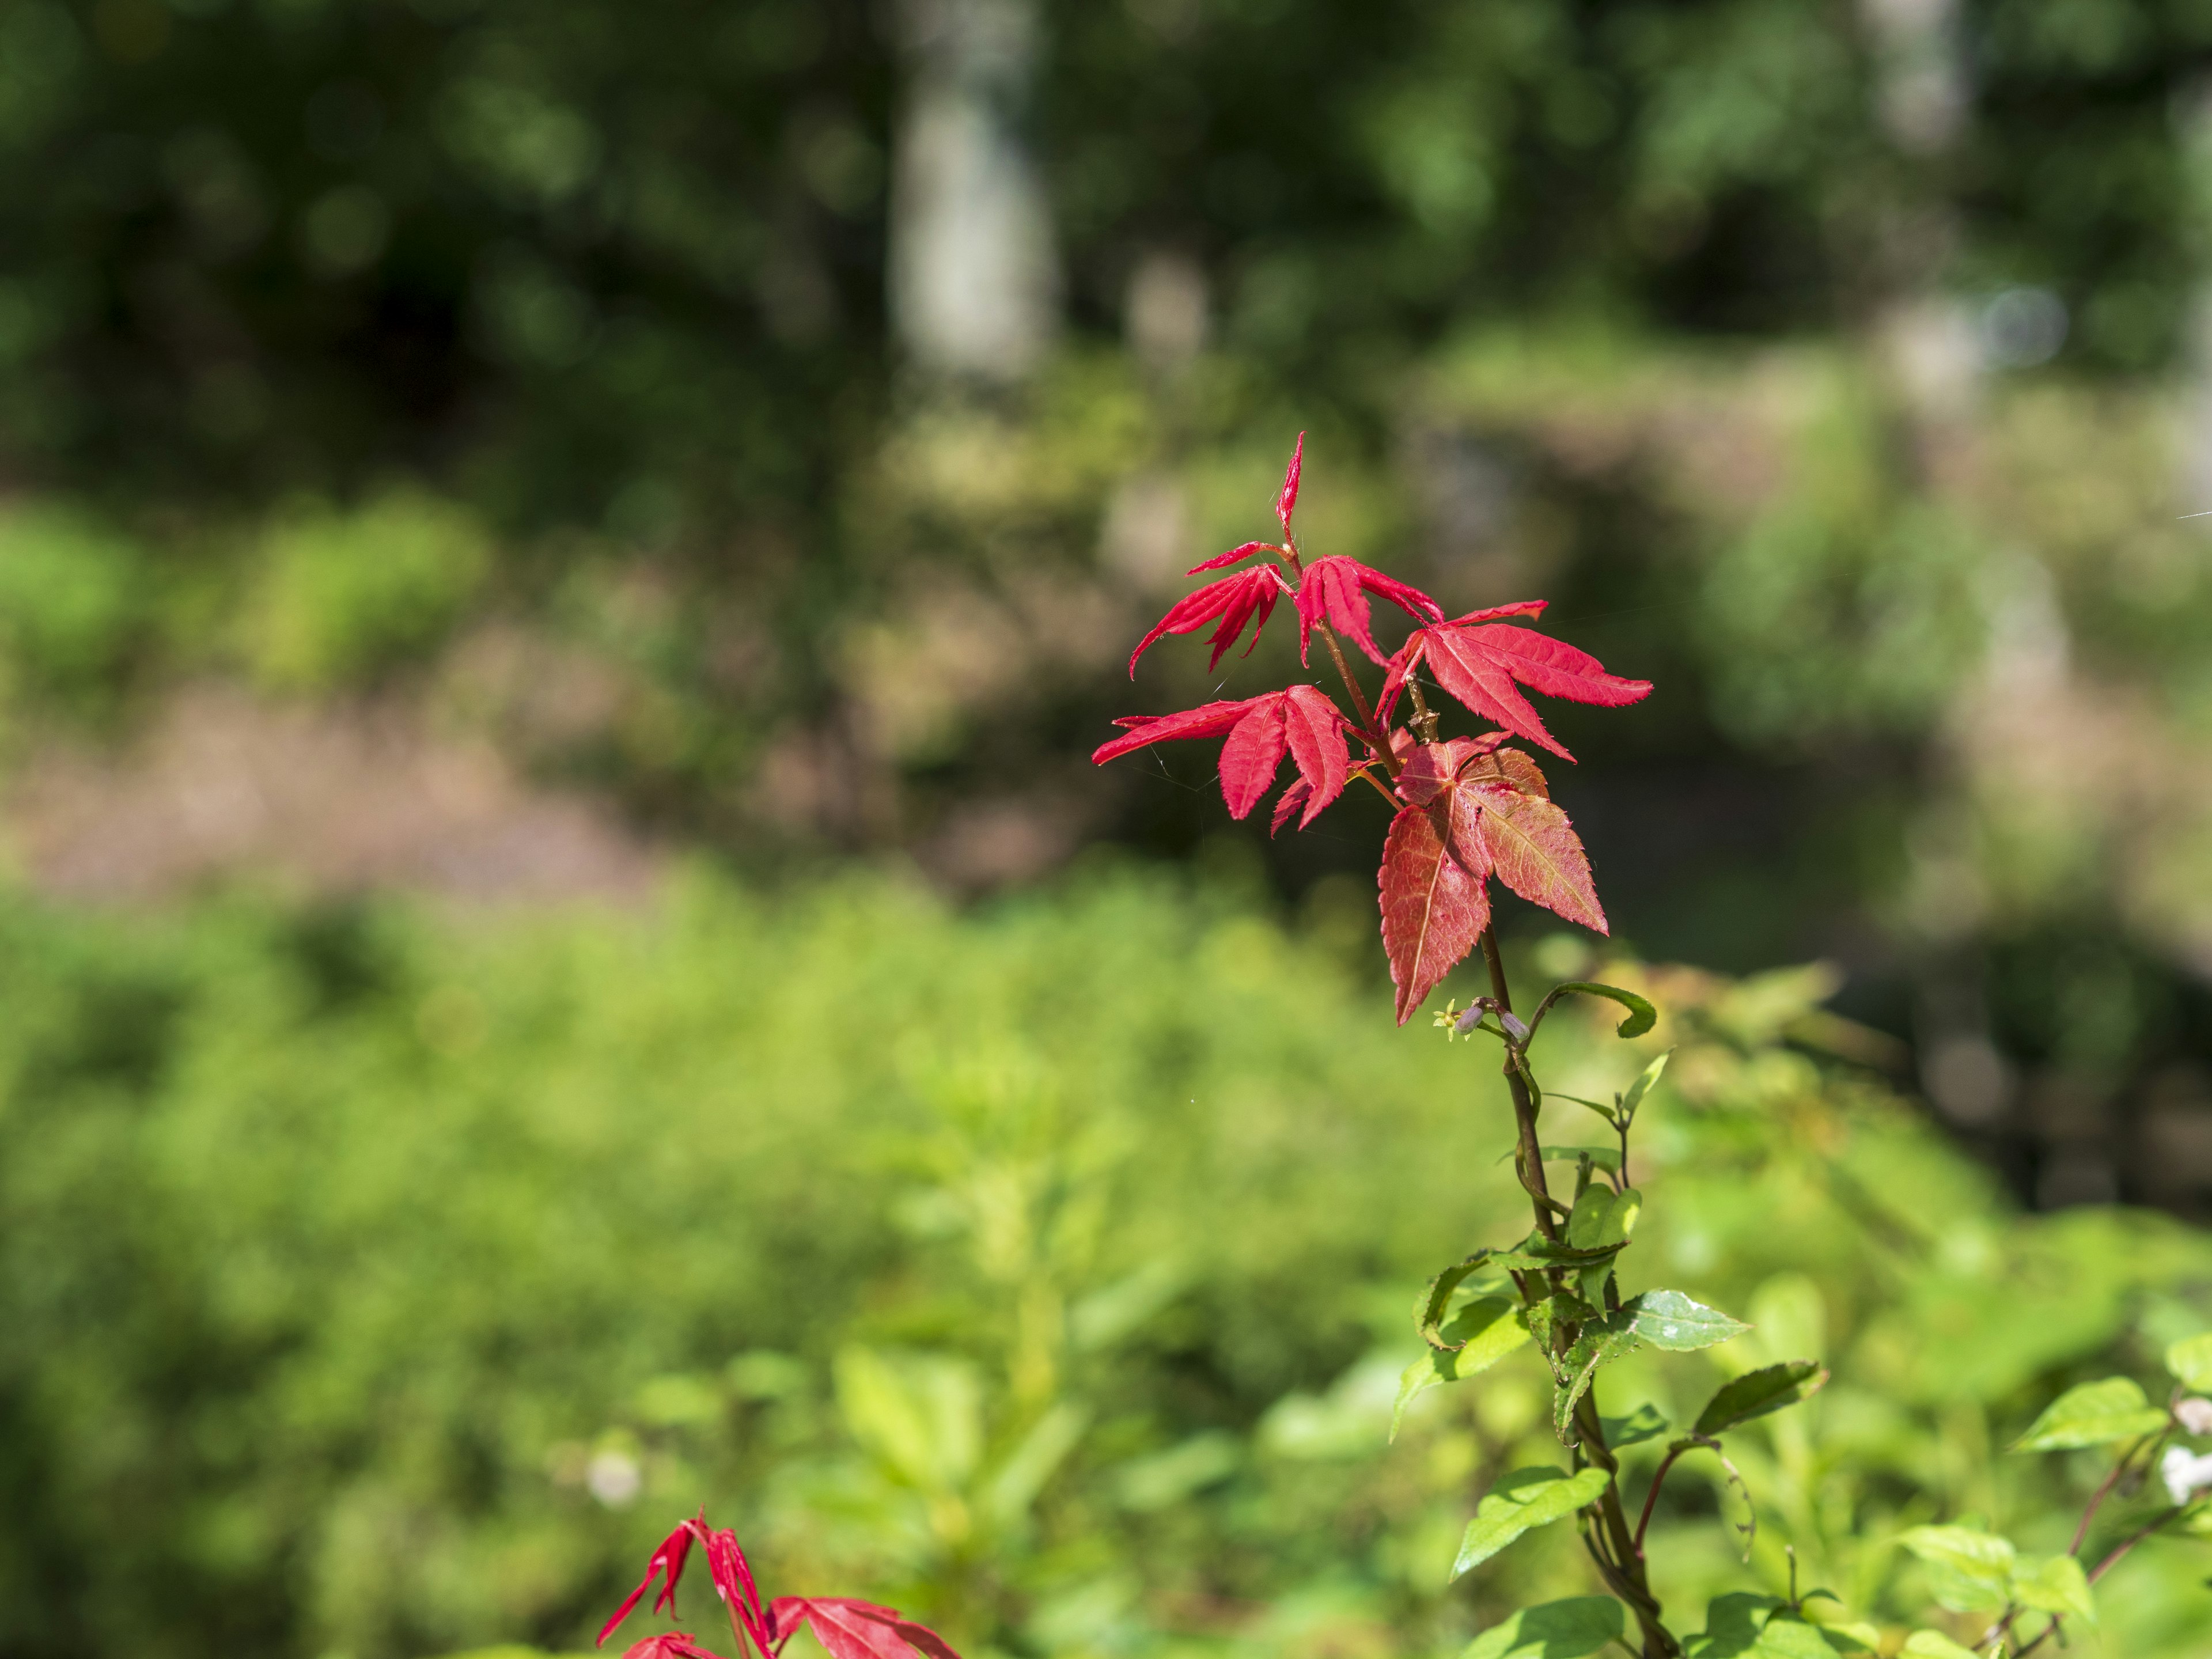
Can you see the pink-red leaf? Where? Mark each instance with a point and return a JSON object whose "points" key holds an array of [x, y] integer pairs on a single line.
{"points": [[1434, 906], [1536, 852], [1206, 721], [1314, 728], [1478, 663], [1252, 754], [1293, 797], [669, 1645], [667, 1559], [1287, 503], [1222, 561], [1335, 590], [851, 1629], [1235, 600]]}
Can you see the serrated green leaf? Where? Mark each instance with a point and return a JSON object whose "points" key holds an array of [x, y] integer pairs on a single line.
{"points": [[1670, 1319], [1645, 1081], [2191, 1360], [1428, 1311], [1927, 1645], [1521, 1500], [1587, 1216], [1769, 1389], [1644, 1423], [1536, 1252], [1572, 1629], [2093, 1414], [1601, 1341], [2054, 1584], [1968, 1571], [1478, 1336]]}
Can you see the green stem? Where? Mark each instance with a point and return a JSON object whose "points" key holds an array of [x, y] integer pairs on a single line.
{"points": [[1625, 1573]]}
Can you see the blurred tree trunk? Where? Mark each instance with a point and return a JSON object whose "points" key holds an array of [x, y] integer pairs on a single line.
{"points": [[974, 282]]}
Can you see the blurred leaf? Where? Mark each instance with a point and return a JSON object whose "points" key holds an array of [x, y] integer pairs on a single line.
{"points": [[1928, 1644], [2054, 1584], [1524, 1499], [2191, 1360], [1968, 1571], [1644, 1423], [2093, 1414], [1008, 1493], [1571, 1629]]}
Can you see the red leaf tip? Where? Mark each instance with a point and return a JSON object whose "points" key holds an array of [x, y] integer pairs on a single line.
{"points": [[1287, 503]]}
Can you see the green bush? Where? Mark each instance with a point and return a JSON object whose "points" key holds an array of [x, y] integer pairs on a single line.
{"points": [[377, 1283]]}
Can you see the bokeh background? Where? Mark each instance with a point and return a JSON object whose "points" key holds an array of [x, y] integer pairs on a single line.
{"points": [[560, 563]]}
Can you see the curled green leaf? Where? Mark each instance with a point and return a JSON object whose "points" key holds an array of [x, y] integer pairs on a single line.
{"points": [[1642, 1016], [1753, 1395], [1473, 1341]]}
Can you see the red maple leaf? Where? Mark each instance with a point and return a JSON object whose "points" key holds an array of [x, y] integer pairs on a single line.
{"points": [[1235, 599], [1471, 810], [1300, 721], [1477, 658], [1330, 590], [850, 1629], [1222, 561], [669, 1645]]}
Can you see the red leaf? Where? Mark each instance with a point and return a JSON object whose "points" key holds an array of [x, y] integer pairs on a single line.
{"points": [[669, 1644], [733, 1580], [1254, 751], [1293, 797], [852, 1628], [1434, 908], [1207, 720], [1479, 663], [1536, 853], [1222, 561], [668, 1557], [1511, 768], [1330, 589], [1433, 768], [1287, 502], [1316, 729], [1235, 599]]}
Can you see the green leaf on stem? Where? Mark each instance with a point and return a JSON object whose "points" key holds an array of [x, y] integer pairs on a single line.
{"points": [[1601, 1341], [1786, 1638], [2093, 1414], [1645, 1082], [1602, 1219], [1769, 1389], [1643, 1424], [1572, 1629], [1604, 1158], [1927, 1645], [1642, 1016], [1475, 1338], [1560, 1308], [1968, 1571], [2055, 1584], [2191, 1360], [1428, 1312], [1670, 1320], [1536, 1252], [1520, 1501]]}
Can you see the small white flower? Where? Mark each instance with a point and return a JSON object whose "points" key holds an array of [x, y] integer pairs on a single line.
{"points": [[2195, 1415], [2185, 1474], [615, 1478]]}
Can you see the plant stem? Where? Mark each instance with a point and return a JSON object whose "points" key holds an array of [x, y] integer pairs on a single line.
{"points": [[1625, 1573], [1381, 740]]}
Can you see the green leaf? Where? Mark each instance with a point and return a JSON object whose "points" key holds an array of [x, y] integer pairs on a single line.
{"points": [[1643, 1424], [1642, 1016], [1602, 1342], [1535, 1253], [1571, 1629], [1968, 1571], [1769, 1389], [1428, 1311], [2191, 1360], [1476, 1338], [1604, 1158], [1785, 1637], [1523, 1499], [1645, 1081], [1732, 1625], [1927, 1645], [2093, 1414], [2055, 1584], [1670, 1320]]}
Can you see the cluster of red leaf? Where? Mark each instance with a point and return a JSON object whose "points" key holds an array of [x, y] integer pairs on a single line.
{"points": [[1467, 809], [849, 1629]]}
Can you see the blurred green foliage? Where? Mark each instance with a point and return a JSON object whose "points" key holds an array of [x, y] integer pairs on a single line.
{"points": [[381, 1284]]}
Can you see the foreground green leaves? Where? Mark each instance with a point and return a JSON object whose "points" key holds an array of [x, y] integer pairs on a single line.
{"points": [[1524, 1499], [1670, 1320], [1572, 1629], [2093, 1414], [1474, 1339], [1753, 1395]]}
